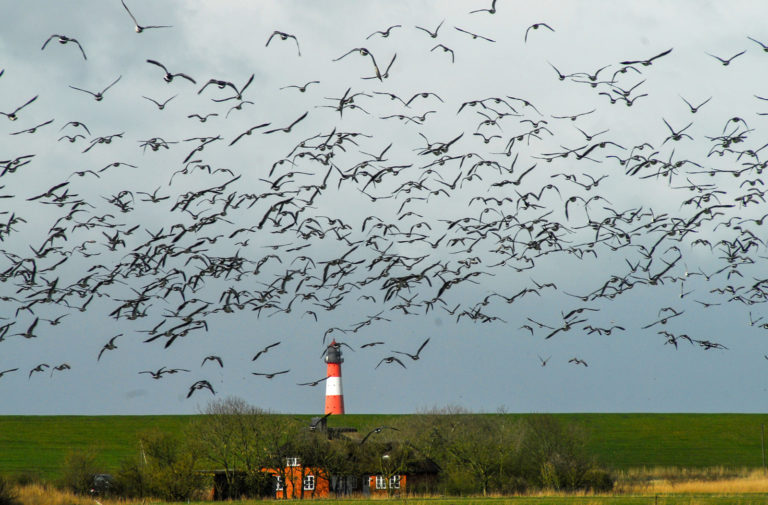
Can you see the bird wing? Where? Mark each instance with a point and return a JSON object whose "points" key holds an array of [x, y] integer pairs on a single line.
{"points": [[129, 13], [46, 42]]}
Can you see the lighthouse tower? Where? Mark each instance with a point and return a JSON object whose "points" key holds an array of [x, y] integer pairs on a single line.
{"points": [[334, 398]]}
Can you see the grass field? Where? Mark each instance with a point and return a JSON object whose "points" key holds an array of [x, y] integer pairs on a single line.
{"points": [[39, 444], [37, 495]]}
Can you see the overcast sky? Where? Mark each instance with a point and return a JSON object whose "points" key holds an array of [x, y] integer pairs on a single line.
{"points": [[608, 357]]}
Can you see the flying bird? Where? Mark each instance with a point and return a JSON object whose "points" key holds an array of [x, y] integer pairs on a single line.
{"points": [[39, 368], [727, 61], [491, 10], [383, 33], [136, 26], [284, 36], [536, 26], [376, 430], [212, 358], [109, 346], [649, 61], [313, 383], [445, 50], [263, 351], [301, 89], [414, 356], [63, 39], [248, 132], [270, 375], [100, 95], [578, 361], [473, 35], [160, 105], [168, 77], [390, 359], [7, 371], [201, 384], [13, 115], [432, 34], [287, 129], [363, 52]]}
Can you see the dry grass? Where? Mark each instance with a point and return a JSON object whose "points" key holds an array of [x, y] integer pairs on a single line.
{"points": [[45, 494], [715, 480], [42, 494], [631, 484]]}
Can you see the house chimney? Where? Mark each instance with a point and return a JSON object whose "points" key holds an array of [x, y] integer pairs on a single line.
{"points": [[334, 398]]}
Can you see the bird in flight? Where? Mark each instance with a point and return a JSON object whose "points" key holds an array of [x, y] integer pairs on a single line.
{"points": [[213, 358], [100, 95], [248, 132], [390, 359], [109, 346], [160, 105], [695, 109], [168, 77], [272, 374], [727, 61], [63, 39], [378, 429], [473, 35], [263, 351], [649, 61], [201, 384], [577, 361], [432, 34], [313, 383], [12, 115], [491, 10], [383, 33], [284, 36], [39, 368], [363, 52], [414, 356], [536, 26], [445, 50], [7, 371], [136, 26], [287, 129], [303, 88]]}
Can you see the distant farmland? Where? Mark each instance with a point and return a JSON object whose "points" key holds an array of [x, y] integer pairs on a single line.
{"points": [[39, 444]]}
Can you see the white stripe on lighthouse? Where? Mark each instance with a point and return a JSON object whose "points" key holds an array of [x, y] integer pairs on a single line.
{"points": [[333, 386]]}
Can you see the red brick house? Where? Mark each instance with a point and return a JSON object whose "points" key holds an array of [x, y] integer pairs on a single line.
{"points": [[298, 482]]}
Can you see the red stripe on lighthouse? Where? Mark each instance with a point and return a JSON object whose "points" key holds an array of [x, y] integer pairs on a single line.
{"points": [[334, 397]]}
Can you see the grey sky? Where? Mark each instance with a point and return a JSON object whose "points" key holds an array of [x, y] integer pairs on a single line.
{"points": [[480, 365]]}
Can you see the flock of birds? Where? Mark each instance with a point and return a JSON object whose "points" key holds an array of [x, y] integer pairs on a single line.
{"points": [[477, 225]]}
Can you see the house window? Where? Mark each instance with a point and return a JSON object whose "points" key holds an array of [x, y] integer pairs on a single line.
{"points": [[309, 483], [381, 482], [291, 461], [278, 483], [394, 482]]}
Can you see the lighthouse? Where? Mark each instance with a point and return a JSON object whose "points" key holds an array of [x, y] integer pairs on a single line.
{"points": [[334, 398]]}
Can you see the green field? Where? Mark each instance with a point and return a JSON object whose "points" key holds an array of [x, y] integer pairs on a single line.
{"points": [[39, 444]]}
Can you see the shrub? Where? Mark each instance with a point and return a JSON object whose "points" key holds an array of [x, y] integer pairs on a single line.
{"points": [[8, 495], [79, 470], [597, 480], [130, 481], [170, 472]]}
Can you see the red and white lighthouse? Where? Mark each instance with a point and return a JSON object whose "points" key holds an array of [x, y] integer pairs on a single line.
{"points": [[334, 398]]}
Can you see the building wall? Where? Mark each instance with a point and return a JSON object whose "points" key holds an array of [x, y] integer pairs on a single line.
{"points": [[380, 486], [293, 486], [294, 482]]}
